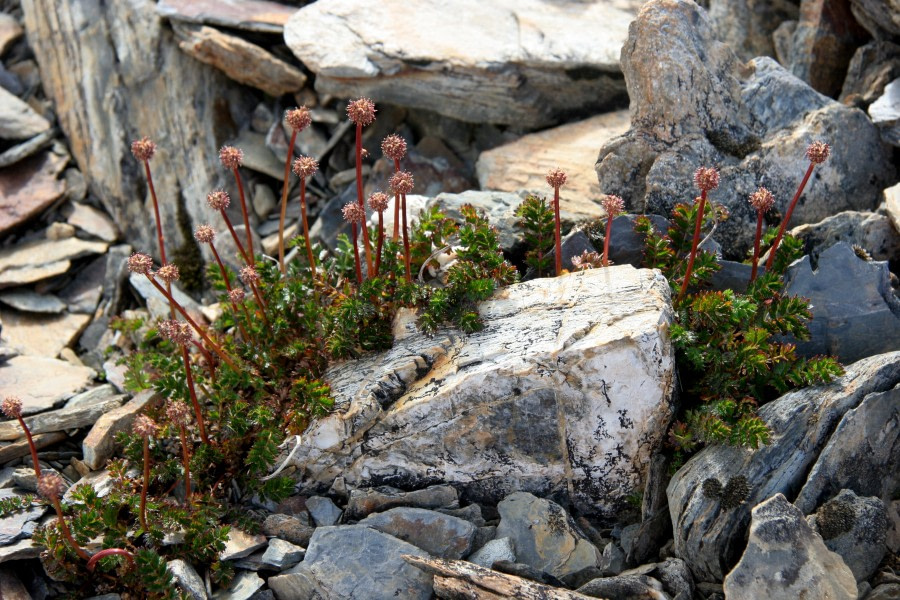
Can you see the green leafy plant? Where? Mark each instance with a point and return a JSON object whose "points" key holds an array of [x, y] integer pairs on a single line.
{"points": [[537, 221]]}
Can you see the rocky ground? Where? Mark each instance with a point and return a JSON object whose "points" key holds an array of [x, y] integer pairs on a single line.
{"points": [[573, 499]]}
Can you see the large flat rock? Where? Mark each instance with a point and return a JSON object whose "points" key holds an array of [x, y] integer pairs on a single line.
{"points": [[41, 382], [42, 335], [517, 62], [564, 393]]}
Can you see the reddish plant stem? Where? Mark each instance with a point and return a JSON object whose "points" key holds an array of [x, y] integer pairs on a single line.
{"points": [[227, 281], [284, 197], [31, 447], [260, 302], [360, 201], [234, 236], [696, 241], [396, 206], [198, 412], [406, 241], [609, 221], [309, 252], [145, 485], [64, 529], [92, 562], [186, 459], [759, 222], [380, 242], [359, 278], [556, 233], [787, 217], [249, 255], [159, 233]]}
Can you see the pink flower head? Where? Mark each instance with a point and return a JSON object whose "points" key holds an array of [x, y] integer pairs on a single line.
{"points": [[305, 166], [140, 263], [587, 260], [394, 147], [11, 407], [178, 332], [51, 486], [144, 426], [557, 178], [378, 201], [231, 157], [249, 275], [143, 149], [178, 413], [402, 182], [613, 205], [204, 234], [706, 178], [236, 295], [218, 200], [168, 273], [298, 118], [762, 200], [353, 213], [817, 152], [361, 111]]}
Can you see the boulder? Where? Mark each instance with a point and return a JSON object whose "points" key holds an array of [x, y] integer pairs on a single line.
{"points": [[565, 393], [437, 534], [709, 533], [323, 511], [693, 104], [515, 62], [785, 559]]}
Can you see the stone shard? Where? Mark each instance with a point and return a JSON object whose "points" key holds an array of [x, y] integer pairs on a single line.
{"points": [[251, 15], [710, 537], [517, 62], [785, 559], [29, 188], [232, 55], [437, 534], [365, 502], [41, 382], [99, 444], [565, 392], [30, 301], [18, 121], [45, 252], [92, 221], [872, 67]]}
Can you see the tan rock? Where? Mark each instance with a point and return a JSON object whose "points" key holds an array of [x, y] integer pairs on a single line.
{"points": [[21, 550], [892, 205], [18, 121], [10, 31], [41, 382], [99, 444], [62, 419], [253, 15], [42, 335], [523, 164], [29, 188], [29, 274], [43, 252], [59, 231], [93, 221], [21, 448]]}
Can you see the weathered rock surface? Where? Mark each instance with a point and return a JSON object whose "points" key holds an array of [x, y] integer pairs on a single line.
{"points": [[747, 25], [786, 560], [365, 502], [92, 221], [18, 121], [709, 536], [240, 544], [892, 205], [42, 335], [494, 550], [855, 312], [30, 301], [885, 113], [523, 164], [522, 63], [29, 188], [46, 251], [281, 554], [854, 528], [242, 587], [626, 587], [565, 392], [187, 578], [323, 511], [99, 444], [41, 382], [543, 535], [252, 15], [17, 525], [62, 419], [872, 67], [874, 232], [437, 534], [288, 528], [881, 18], [692, 104]]}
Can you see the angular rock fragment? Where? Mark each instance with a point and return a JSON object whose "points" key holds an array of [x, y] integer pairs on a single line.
{"points": [[99, 444], [885, 113], [18, 121], [28, 189], [41, 382], [438, 534], [252, 15], [42, 335]]}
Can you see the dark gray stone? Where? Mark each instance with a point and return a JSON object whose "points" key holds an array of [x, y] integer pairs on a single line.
{"points": [[324, 512], [15, 526], [675, 577], [471, 513], [613, 560], [627, 247], [526, 572], [187, 578], [873, 232], [878, 17], [295, 586], [872, 67], [624, 587], [438, 534], [281, 554], [855, 528], [371, 500]]}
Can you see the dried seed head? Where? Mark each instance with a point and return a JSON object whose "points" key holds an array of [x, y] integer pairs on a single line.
{"points": [[168, 273], [236, 295], [218, 200], [11, 407], [587, 260], [706, 178], [51, 486], [861, 252], [249, 275], [144, 426], [178, 413], [140, 263], [817, 152], [178, 332], [298, 118], [613, 205], [353, 213], [305, 166], [204, 234], [362, 111], [762, 200], [556, 178], [402, 182], [231, 157], [394, 147], [143, 149], [378, 201]]}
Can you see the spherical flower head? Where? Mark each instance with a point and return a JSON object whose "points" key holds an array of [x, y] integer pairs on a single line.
{"points": [[144, 426], [402, 182], [51, 486], [394, 147], [140, 263], [353, 213], [557, 178], [168, 273], [762, 200], [305, 166], [236, 295], [587, 260], [362, 111], [178, 332], [817, 152], [378, 201], [706, 178], [178, 413], [298, 118], [249, 275], [12, 407], [204, 234], [231, 157], [218, 200], [143, 149], [613, 205]]}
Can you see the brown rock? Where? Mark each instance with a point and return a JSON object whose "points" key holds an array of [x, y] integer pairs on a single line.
{"points": [[30, 274], [880, 17], [41, 382], [872, 67], [253, 15], [10, 31], [72, 417], [99, 444], [92, 221], [21, 448], [29, 188], [239, 59], [288, 528], [18, 121], [42, 335], [10, 586]]}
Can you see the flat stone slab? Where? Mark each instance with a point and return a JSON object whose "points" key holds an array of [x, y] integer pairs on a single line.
{"points": [[62, 419], [18, 121], [30, 301], [41, 382], [252, 15], [516, 62], [42, 335], [28, 188], [44, 252]]}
